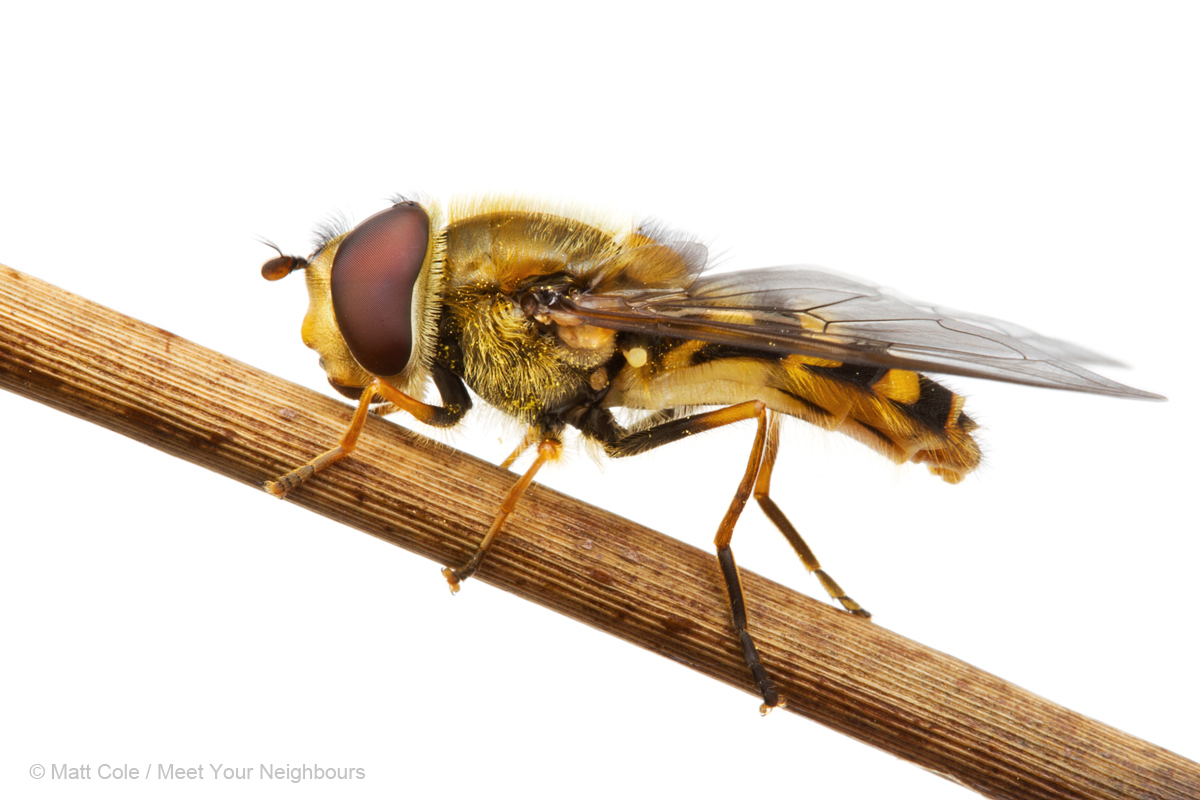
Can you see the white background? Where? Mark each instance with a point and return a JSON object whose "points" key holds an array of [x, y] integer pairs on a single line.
{"points": [[1037, 162]]}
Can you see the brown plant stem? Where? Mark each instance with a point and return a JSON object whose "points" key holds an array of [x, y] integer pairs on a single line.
{"points": [[849, 674]]}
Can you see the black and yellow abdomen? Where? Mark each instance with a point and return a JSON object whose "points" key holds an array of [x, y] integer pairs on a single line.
{"points": [[901, 414]]}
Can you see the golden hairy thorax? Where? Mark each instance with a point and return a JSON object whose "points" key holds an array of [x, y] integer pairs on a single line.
{"points": [[507, 358]]}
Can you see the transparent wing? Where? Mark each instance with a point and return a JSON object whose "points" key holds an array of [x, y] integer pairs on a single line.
{"points": [[815, 312]]}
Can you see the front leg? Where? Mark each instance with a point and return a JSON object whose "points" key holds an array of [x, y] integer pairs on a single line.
{"points": [[456, 403]]}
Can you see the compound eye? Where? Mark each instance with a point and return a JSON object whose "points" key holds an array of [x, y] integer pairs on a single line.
{"points": [[374, 272]]}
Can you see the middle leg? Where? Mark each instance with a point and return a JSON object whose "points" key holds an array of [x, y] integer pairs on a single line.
{"points": [[548, 449]]}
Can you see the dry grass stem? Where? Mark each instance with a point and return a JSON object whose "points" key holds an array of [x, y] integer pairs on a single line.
{"points": [[853, 676]]}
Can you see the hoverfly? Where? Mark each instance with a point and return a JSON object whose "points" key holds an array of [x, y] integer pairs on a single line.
{"points": [[559, 320]]}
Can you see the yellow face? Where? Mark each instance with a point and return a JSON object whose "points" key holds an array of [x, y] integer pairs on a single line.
{"points": [[320, 330]]}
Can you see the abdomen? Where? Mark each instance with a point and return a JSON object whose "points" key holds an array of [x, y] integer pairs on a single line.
{"points": [[901, 414]]}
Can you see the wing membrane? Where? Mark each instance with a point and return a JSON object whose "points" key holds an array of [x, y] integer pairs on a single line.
{"points": [[824, 314]]}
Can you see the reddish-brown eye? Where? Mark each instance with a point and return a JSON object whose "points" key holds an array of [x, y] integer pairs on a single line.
{"points": [[374, 272]]}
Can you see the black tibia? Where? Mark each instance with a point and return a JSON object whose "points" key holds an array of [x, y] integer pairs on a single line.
{"points": [[737, 607]]}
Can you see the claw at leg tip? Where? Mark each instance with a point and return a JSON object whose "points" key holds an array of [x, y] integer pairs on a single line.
{"points": [[765, 709]]}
